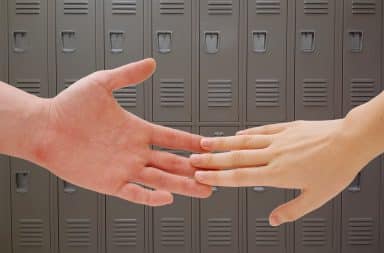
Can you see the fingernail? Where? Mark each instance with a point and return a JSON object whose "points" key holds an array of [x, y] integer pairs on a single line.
{"points": [[206, 142], [275, 221], [195, 158], [239, 132]]}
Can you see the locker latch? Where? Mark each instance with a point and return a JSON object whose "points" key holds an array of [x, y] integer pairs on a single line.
{"points": [[164, 41], [68, 40], [22, 181], [356, 41], [259, 41], [68, 187], [355, 185], [19, 41], [218, 133], [259, 189], [212, 40], [307, 41], [215, 189], [116, 41]]}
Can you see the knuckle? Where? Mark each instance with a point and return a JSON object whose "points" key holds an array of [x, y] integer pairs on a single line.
{"points": [[236, 157], [248, 141]]}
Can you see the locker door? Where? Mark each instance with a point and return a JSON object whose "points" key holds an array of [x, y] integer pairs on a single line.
{"points": [[75, 40], [5, 207], [314, 71], [172, 225], [261, 236], [3, 41], [219, 215], [124, 44], [267, 61], [78, 212], [219, 81], [30, 208], [172, 48], [361, 75]]}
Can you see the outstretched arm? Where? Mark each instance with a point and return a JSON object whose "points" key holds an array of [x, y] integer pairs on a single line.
{"points": [[84, 136], [304, 155]]}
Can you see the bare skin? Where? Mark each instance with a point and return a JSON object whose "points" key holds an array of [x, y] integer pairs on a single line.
{"points": [[303, 155], [84, 136]]}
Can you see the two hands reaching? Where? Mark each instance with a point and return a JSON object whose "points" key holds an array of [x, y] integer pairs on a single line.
{"points": [[83, 131]]}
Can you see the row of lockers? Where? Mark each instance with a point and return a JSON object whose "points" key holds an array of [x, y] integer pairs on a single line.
{"points": [[222, 65]]}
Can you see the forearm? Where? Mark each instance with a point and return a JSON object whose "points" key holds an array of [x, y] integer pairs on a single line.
{"points": [[366, 124], [22, 119]]}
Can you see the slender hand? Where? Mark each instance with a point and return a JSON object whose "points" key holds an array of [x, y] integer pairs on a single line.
{"points": [[84, 136], [320, 158]]}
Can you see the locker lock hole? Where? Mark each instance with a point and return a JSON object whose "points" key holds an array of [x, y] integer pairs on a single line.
{"points": [[355, 186], [22, 182], [356, 41], [164, 42], [68, 187], [19, 41], [259, 41], [307, 41], [116, 41], [68, 41], [212, 40]]}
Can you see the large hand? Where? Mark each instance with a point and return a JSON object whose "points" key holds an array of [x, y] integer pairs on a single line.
{"points": [[319, 158], [92, 142]]}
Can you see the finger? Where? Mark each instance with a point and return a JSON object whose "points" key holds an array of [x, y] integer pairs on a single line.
{"points": [[139, 195], [162, 180], [294, 209], [258, 176], [233, 159], [130, 74], [175, 139], [236, 142], [172, 163], [266, 130]]}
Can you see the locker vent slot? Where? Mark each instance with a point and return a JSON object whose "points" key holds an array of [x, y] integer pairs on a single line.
{"points": [[219, 93], [172, 231], [268, 7], [127, 96], [30, 232], [172, 92], [314, 232], [267, 93], [219, 232], [27, 7], [124, 7], [171, 7], [363, 7], [220, 7], [32, 86], [78, 232], [360, 231], [315, 92], [265, 234], [75, 7], [124, 232], [316, 7], [69, 82], [362, 90]]}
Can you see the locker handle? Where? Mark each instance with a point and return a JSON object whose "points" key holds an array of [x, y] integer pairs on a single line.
{"points": [[215, 189], [22, 181], [259, 41], [68, 41], [116, 39], [68, 187], [218, 133], [212, 42], [355, 186], [307, 41], [164, 41], [259, 189], [19, 41], [356, 41]]}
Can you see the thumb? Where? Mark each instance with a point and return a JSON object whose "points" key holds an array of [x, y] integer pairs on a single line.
{"points": [[130, 74], [294, 209]]}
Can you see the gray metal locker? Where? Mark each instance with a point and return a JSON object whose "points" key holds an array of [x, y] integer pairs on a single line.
{"points": [[30, 188], [361, 211], [219, 63], [172, 48], [5, 207], [172, 225], [78, 219], [315, 56], [124, 24], [125, 226], [75, 40], [220, 214], [261, 237], [267, 61]]}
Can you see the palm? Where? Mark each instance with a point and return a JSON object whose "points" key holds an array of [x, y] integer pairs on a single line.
{"points": [[98, 145]]}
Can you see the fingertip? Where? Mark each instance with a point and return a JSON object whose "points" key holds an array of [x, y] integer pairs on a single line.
{"points": [[274, 220], [241, 132], [152, 63], [164, 198], [206, 192]]}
